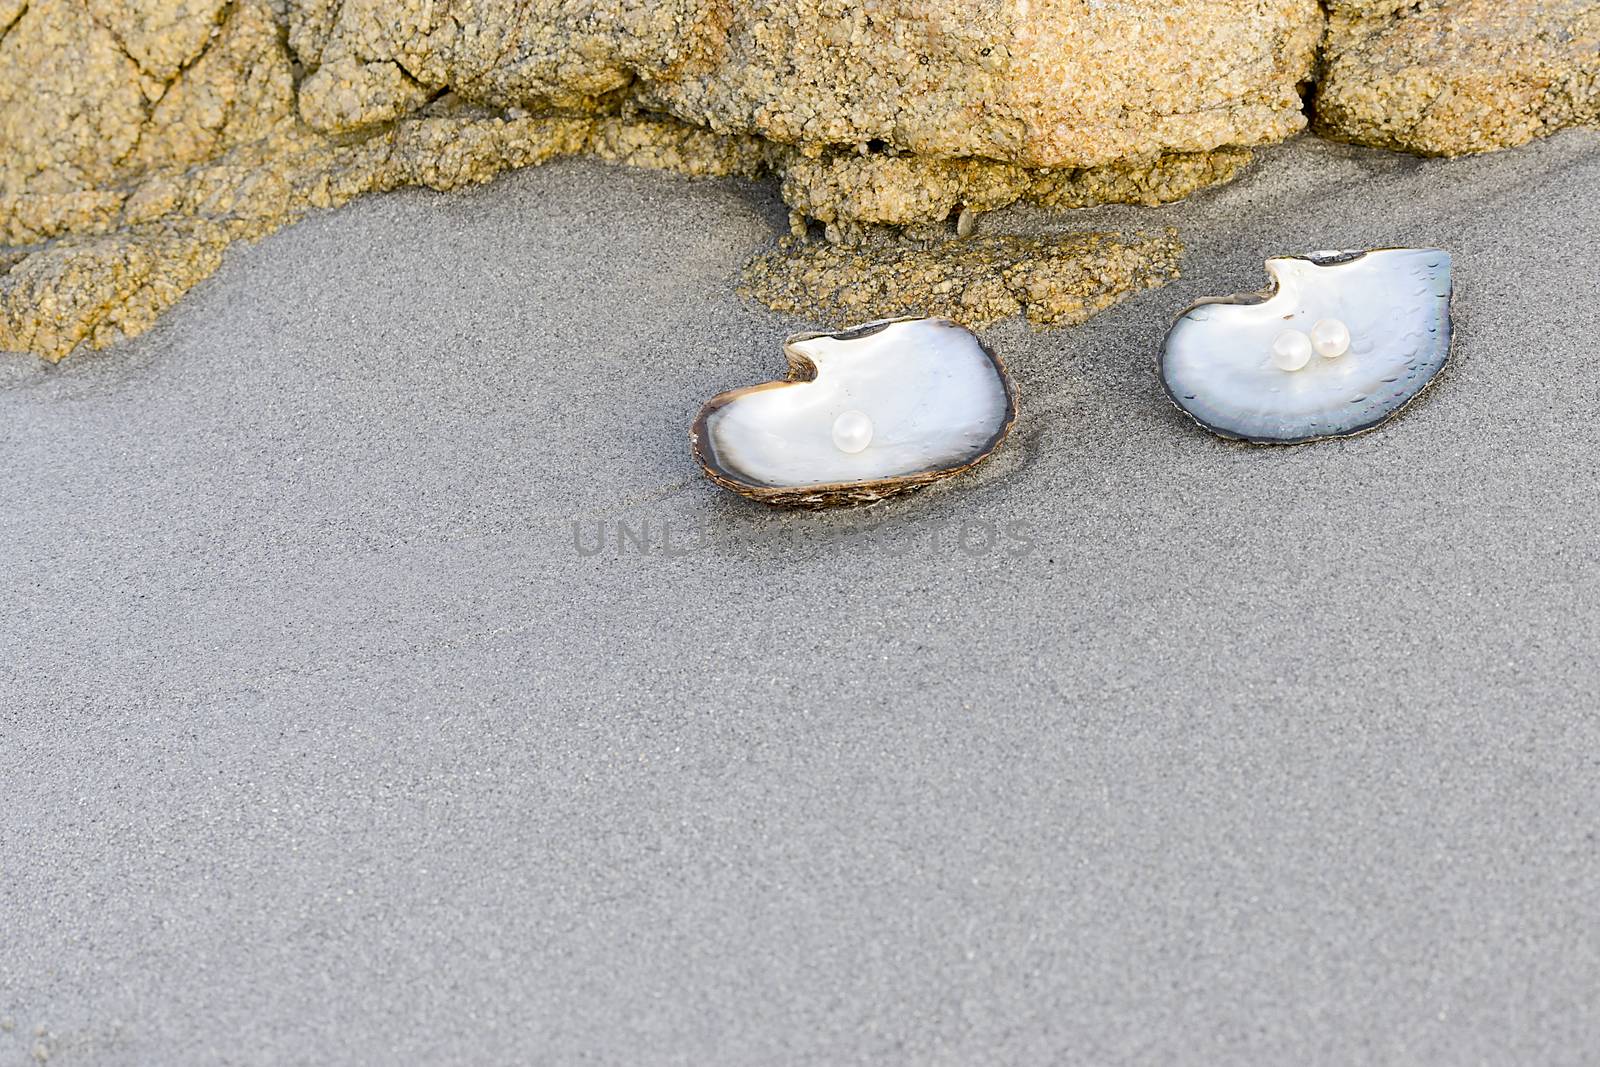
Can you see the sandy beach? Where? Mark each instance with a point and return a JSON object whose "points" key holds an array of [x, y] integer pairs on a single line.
{"points": [[381, 681]]}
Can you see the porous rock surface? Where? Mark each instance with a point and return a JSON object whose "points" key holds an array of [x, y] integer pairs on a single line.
{"points": [[142, 136], [1043, 83], [1453, 77], [1053, 281]]}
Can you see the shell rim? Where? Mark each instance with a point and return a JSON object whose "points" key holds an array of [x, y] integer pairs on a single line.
{"points": [[801, 370], [1261, 296]]}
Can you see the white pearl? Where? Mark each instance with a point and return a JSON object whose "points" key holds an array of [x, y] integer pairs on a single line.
{"points": [[852, 432], [1291, 351], [1331, 338]]}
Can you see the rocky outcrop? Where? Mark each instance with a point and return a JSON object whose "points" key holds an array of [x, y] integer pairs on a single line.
{"points": [[94, 95], [142, 136], [1459, 76], [1041, 83], [1053, 281], [153, 238], [145, 135], [849, 189]]}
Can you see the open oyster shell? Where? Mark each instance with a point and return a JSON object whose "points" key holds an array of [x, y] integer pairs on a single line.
{"points": [[936, 402], [1216, 362]]}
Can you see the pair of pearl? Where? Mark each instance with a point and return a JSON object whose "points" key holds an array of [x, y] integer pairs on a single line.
{"points": [[1293, 349]]}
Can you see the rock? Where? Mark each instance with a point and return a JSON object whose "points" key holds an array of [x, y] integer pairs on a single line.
{"points": [[95, 97], [98, 289], [666, 144], [1458, 76], [72, 102], [348, 95], [1041, 83], [1054, 281], [236, 88], [144, 135], [904, 190]]}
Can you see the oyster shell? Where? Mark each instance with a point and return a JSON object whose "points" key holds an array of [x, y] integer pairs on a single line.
{"points": [[864, 414], [1217, 362]]}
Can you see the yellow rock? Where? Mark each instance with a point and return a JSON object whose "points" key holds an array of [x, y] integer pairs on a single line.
{"points": [[142, 136], [1459, 76], [1054, 281]]}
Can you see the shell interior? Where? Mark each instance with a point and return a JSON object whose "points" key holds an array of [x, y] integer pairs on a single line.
{"points": [[1216, 363], [938, 402]]}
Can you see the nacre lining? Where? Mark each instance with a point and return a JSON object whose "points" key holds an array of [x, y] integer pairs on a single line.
{"points": [[867, 412], [1217, 363]]}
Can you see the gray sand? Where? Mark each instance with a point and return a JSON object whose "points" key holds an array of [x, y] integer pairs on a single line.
{"points": [[323, 742]]}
